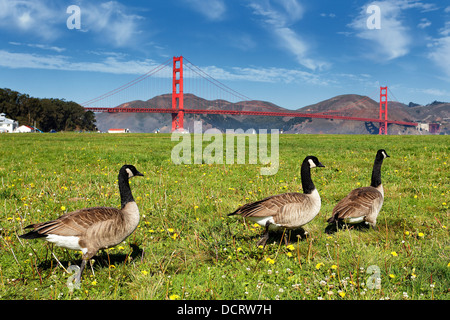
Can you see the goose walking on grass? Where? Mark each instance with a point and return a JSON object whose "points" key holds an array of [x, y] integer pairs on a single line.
{"points": [[362, 204], [92, 229], [288, 210]]}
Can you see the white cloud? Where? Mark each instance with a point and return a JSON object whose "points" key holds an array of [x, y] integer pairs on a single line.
{"points": [[279, 17], [116, 64], [436, 92], [109, 21], [328, 15], [424, 23], [267, 75], [393, 39], [110, 64], [242, 41], [39, 46], [440, 54], [35, 17], [417, 4], [211, 9]]}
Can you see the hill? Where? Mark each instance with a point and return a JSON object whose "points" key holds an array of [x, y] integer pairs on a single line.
{"points": [[149, 122], [347, 104]]}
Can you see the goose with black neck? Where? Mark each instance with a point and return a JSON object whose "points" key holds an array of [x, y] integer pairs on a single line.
{"points": [[361, 205], [92, 229], [287, 211]]}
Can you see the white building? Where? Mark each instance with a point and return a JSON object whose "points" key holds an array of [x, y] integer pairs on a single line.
{"points": [[7, 125], [119, 130], [24, 128]]}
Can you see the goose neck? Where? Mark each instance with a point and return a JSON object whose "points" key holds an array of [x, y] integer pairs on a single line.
{"points": [[376, 173], [125, 191], [307, 184]]}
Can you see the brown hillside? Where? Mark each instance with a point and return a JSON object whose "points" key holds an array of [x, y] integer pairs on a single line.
{"points": [[348, 105]]}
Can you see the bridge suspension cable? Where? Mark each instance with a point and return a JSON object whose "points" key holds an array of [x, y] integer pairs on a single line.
{"points": [[214, 81], [129, 84]]}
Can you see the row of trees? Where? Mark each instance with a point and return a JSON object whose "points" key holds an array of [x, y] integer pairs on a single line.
{"points": [[46, 114]]}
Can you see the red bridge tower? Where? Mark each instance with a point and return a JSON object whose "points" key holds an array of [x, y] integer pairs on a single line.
{"points": [[383, 110], [177, 94]]}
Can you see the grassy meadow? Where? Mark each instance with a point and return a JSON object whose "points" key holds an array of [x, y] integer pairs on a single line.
{"points": [[187, 248]]}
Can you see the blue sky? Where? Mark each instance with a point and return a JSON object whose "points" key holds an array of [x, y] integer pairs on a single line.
{"points": [[289, 52]]}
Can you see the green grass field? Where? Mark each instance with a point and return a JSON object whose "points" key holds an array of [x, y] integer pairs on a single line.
{"points": [[187, 248]]}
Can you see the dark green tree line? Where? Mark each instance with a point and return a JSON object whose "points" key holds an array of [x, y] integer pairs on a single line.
{"points": [[47, 114]]}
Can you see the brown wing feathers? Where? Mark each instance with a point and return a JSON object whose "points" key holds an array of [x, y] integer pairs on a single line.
{"points": [[269, 206], [73, 223], [357, 203]]}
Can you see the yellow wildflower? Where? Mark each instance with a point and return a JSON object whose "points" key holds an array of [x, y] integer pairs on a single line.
{"points": [[174, 297], [63, 208], [319, 265], [394, 254]]}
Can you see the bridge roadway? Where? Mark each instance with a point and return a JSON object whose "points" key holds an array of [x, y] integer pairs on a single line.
{"points": [[246, 113]]}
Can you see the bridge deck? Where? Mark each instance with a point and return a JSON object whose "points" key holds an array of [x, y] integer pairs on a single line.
{"points": [[247, 113]]}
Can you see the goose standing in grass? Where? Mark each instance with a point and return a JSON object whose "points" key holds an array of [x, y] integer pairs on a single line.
{"points": [[92, 229], [288, 210], [362, 204]]}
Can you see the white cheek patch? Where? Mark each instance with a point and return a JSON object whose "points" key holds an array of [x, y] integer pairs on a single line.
{"points": [[384, 154], [130, 173], [311, 163]]}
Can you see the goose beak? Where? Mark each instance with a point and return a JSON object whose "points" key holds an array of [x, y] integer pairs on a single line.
{"points": [[139, 174], [320, 164]]}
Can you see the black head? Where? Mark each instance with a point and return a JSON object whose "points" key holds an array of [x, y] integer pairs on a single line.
{"points": [[381, 155], [130, 171], [313, 162]]}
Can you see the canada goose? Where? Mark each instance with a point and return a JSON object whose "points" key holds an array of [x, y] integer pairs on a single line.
{"points": [[288, 210], [362, 204], [92, 229]]}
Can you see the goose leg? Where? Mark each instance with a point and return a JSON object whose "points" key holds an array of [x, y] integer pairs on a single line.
{"points": [[286, 237], [265, 236], [78, 276]]}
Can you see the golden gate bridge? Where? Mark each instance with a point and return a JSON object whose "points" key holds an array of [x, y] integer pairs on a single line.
{"points": [[205, 85]]}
